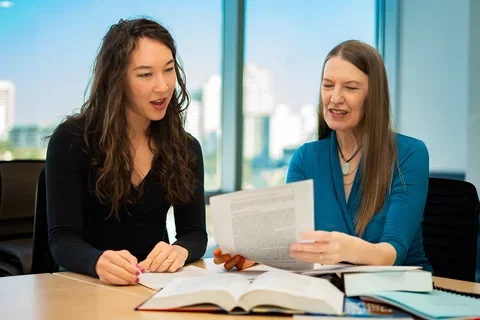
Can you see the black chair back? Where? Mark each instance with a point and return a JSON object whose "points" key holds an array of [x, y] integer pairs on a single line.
{"points": [[18, 179], [450, 228], [42, 260]]}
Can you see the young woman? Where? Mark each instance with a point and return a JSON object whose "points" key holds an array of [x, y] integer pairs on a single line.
{"points": [[114, 169]]}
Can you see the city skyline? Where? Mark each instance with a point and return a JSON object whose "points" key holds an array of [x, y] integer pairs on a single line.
{"points": [[50, 62], [50, 50], [204, 117]]}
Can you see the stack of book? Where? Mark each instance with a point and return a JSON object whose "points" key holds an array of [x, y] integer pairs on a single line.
{"points": [[276, 291]]}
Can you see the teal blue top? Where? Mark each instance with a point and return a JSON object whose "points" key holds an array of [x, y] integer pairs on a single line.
{"points": [[397, 223]]}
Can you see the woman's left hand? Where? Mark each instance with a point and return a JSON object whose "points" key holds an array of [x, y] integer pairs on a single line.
{"points": [[327, 248], [165, 257]]}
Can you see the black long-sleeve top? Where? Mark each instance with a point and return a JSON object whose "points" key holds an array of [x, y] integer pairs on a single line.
{"points": [[79, 230]]}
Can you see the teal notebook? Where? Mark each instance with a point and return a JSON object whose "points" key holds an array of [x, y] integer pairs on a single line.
{"points": [[432, 305]]}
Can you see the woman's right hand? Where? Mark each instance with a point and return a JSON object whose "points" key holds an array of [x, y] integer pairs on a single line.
{"points": [[118, 268], [229, 262]]}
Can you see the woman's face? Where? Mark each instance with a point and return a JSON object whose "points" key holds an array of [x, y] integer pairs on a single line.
{"points": [[150, 80], [344, 91]]}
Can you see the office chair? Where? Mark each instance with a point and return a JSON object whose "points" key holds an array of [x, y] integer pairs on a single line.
{"points": [[18, 179], [42, 260], [450, 228]]}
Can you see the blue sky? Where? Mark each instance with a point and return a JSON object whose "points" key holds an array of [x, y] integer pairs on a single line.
{"points": [[48, 47]]}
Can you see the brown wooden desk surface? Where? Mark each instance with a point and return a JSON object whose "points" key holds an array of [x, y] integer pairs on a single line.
{"points": [[68, 295]]}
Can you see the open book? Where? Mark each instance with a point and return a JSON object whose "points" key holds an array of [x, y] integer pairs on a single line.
{"points": [[229, 291]]}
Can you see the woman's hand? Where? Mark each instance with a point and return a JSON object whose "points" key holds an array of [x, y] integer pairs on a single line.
{"points": [[117, 267], [165, 257], [237, 261], [327, 248]]}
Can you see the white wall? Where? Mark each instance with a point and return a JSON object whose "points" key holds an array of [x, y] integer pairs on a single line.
{"points": [[433, 82]]}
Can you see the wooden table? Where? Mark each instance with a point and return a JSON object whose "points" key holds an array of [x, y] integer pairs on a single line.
{"points": [[68, 295]]}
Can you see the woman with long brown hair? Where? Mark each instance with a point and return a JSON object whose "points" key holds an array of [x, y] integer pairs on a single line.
{"points": [[114, 169], [370, 183]]}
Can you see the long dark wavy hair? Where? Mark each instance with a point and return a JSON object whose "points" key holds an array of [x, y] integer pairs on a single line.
{"points": [[378, 139], [103, 121]]}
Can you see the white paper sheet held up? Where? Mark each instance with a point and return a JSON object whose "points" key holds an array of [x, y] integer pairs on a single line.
{"points": [[262, 224]]}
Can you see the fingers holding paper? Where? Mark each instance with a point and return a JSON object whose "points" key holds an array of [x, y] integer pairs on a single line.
{"points": [[326, 248], [165, 258], [229, 262]]}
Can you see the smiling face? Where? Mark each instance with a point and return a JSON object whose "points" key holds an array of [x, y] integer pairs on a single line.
{"points": [[150, 81], [344, 91]]}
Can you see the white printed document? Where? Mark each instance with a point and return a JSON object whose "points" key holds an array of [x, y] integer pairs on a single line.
{"points": [[262, 224], [158, 280]]}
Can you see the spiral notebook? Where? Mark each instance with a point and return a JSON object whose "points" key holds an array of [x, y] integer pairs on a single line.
{"points": [[440, 303], [468, 294]]}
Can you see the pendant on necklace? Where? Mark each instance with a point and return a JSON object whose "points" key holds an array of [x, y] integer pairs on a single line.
{"points": [[346, 168]]}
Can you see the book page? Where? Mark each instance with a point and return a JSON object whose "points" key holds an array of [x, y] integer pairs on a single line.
{"points": [[294, 284], [222, 290], [261, 224], [291, 290], [250, 273], [158, 280]]}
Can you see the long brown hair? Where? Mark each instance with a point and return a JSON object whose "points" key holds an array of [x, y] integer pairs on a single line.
{"points": [[378, 139], [103, 121]]}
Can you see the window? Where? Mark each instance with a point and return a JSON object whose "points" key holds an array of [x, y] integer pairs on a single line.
{"points": [[285, 46], [48, 48]]}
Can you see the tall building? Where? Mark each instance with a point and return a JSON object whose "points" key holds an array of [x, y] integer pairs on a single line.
{"points": [[257, 108], [257, 91], [285, 130], [7, 107], [211, 118], [256, 134], [309, 115], [194, 122], [211, 101]]}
